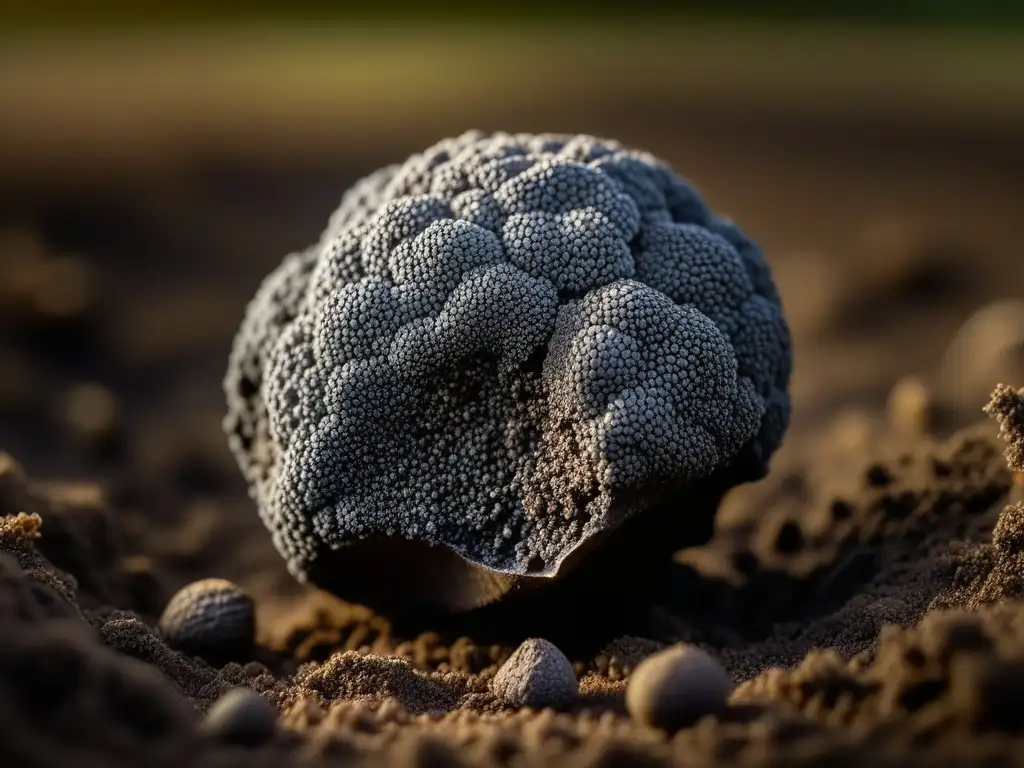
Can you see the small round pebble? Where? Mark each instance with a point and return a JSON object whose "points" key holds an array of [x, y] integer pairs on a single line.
{"points": [[676, 687], [211, 618], [537, 675], [241, 717]]}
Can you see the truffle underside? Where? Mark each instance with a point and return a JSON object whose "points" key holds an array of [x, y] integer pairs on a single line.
{"points": [[426, 579]]}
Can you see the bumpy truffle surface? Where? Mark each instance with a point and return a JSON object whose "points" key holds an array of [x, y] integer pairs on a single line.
{"points": [[674, 688], [537, 675], [211, 618], [500, 349]]}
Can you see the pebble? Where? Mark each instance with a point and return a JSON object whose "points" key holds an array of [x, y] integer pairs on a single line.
{"points": [[676, 687], [241, 717], [537, 675], [212, 618]]}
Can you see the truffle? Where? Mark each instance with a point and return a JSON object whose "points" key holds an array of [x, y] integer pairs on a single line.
{"points": [[498, 353], [536, 675], [674, 688], [212, 618], [241, 717]]}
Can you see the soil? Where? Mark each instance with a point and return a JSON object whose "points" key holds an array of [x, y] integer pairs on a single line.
{"points": [[854, 595]]}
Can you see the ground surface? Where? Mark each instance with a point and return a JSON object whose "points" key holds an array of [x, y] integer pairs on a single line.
{"points": [[120, 294]]}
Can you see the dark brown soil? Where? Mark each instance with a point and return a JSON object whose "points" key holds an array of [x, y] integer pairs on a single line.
{"points": [[854, 595]]}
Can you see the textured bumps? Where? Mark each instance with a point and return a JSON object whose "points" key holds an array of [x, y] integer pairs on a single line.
{"points": [[537, 675], [498, 352], [674, 688], [212, 618], [1008, 534]]}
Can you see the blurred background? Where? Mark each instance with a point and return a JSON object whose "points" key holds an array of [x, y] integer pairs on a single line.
{"points": [[157, 162]]}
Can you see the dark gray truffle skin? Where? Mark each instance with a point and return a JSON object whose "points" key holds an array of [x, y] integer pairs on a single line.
{"points": [[674, 688], [212, 618], [241, 717], [499, 352], [537, 675]]}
